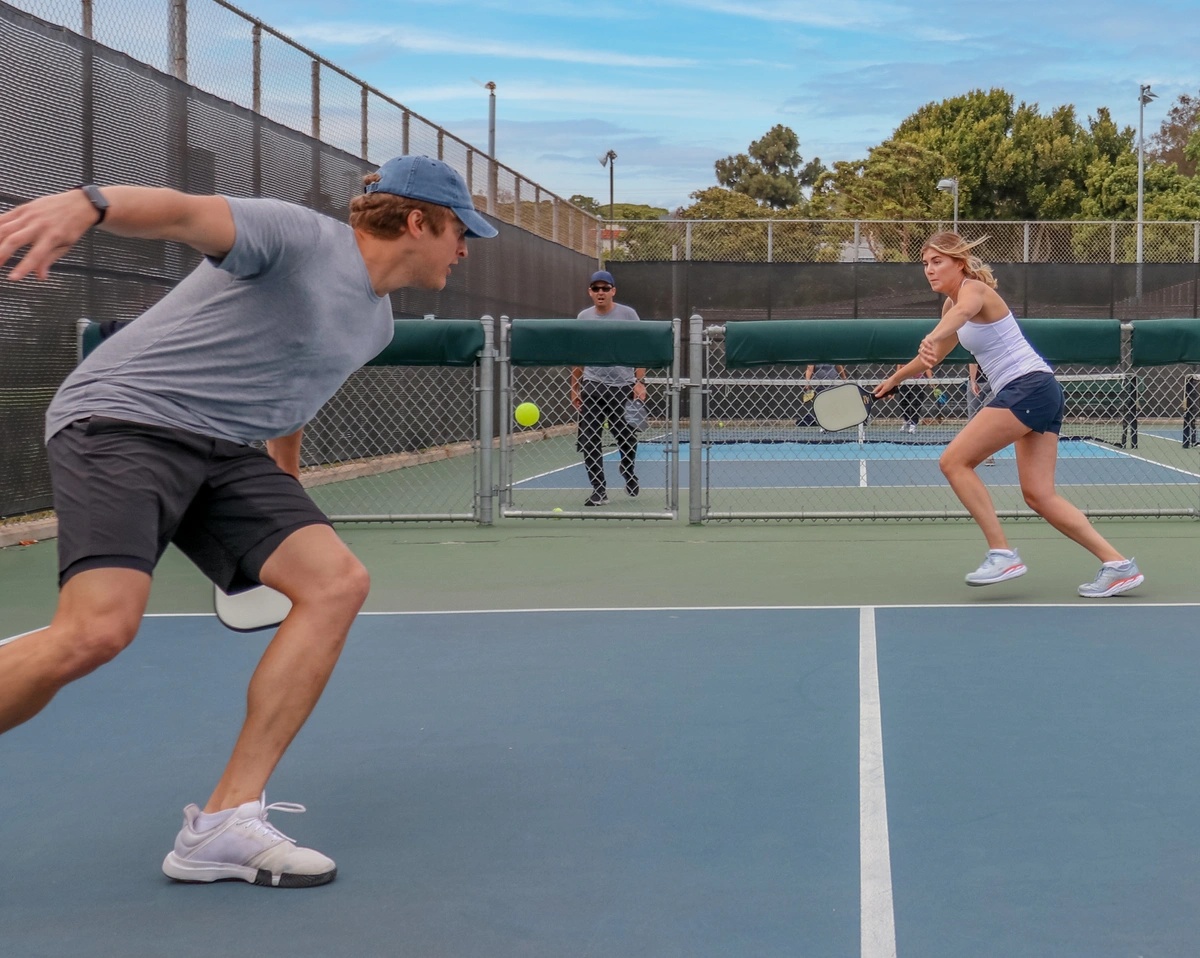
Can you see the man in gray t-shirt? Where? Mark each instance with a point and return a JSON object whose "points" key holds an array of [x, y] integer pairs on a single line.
{"points": [[600, 394], [149, 443]]}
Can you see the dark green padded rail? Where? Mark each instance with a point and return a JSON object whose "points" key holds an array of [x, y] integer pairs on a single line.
{"points": [[415, 342], [433, 342], [1161, 342], [796, 341], [801, 341], [590, 342], [91, 338]]}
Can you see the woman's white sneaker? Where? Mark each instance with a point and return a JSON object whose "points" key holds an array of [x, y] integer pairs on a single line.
{"points": [[998, 566], [1113, 580], [246, 847]]}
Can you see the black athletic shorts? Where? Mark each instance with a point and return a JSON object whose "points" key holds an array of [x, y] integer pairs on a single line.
{"points": [[1036, 399], [124, 490]]}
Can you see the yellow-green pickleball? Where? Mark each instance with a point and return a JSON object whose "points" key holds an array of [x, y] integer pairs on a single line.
{"points": [[527, 414]]}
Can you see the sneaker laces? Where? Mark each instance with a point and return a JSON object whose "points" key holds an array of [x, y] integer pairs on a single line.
{"points": [[260, 824]]}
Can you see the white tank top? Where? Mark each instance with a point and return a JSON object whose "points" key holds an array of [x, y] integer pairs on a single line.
{"points": [[1002, 350]]}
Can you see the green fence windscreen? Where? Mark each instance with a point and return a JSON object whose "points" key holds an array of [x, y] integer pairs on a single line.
{"points": [[589, 342]]}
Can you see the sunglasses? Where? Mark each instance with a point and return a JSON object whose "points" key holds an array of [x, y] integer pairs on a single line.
{"points": [[601, 289]]}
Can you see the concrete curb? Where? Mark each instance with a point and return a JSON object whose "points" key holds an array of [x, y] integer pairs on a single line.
{"points": [[34, 531]]}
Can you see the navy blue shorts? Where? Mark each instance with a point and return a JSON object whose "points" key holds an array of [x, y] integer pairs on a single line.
{"points": [[124, 490], [1036, 399]]}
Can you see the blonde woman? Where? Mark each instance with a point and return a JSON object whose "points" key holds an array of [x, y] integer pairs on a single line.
{"points": [[1025, 412]]}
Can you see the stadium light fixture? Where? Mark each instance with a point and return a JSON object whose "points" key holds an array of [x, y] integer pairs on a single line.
{"points": [[1145, 95], [950, 185]]}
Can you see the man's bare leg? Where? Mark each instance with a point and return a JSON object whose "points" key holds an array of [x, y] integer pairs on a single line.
{"points": [[327, 586], [98, 615]]}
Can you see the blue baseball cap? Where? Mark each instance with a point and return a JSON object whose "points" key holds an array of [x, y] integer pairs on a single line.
{"points": [[602, 276], [424, 178]]}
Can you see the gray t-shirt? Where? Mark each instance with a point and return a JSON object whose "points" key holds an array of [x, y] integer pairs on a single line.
{"points": [[610, 375], [245, 348]]}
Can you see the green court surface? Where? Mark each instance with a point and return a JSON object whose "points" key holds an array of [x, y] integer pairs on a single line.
{"points": [[568, 564]]}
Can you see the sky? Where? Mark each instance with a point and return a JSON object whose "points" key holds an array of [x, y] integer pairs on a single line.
{"points": [[673, 86]]}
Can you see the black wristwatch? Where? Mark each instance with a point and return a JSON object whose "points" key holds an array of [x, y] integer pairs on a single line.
{"points": [[96, 198]]}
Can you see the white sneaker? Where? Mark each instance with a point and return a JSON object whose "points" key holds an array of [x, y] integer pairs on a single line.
{"points": [[1113, 580], [997, 566], [246, 847]]}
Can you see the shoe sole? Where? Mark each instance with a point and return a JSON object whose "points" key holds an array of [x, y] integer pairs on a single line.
{"points": [[203, 873], [1121, 585], [1012, 572]]}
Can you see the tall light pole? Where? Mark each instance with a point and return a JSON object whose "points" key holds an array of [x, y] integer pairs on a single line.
{"points": [[490, 86], [1144, 96], [609, 159], [950, 185]]}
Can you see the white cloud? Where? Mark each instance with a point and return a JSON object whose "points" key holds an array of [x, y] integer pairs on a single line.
{"points": [[423, 41]]}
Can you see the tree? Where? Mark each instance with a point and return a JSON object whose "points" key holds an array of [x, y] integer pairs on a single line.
{"points": [[586, 203], [1011, 161], [1178, 131], [637, 211], [773, 172]]}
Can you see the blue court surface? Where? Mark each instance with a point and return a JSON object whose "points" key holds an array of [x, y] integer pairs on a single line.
{"points": [[781, 465], [927, 782]]}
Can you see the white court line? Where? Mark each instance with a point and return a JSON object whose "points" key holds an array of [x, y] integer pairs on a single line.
{"points": [[1095, 606], [1125, 454], [877, 917]]}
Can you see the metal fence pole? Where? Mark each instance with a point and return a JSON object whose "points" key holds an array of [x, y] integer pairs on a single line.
{"points": [[315, 99], [256, 113], [504, 376], [364, 141], [178, 39], [673, 390], [486, 491], [315, 122], [695, 418]]}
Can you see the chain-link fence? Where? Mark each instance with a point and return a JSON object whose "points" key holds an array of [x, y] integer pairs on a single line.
{"points": [[102, 116], [215, 47], [1128, 441], [781, 240], [731, 292], [416, 442], [542, 466]]}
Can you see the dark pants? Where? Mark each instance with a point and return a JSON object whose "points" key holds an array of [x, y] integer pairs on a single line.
{"points": [[912, 402], [597, 403]]}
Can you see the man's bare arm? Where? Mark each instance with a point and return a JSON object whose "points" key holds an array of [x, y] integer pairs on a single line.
{"points": [[48, 227]]}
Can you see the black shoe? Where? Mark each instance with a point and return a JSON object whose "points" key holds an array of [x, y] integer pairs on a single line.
{"points": [[597, 499], [632, 486]]}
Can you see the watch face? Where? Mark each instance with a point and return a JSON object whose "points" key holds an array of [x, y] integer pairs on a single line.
{"points": [[95, 196]]}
